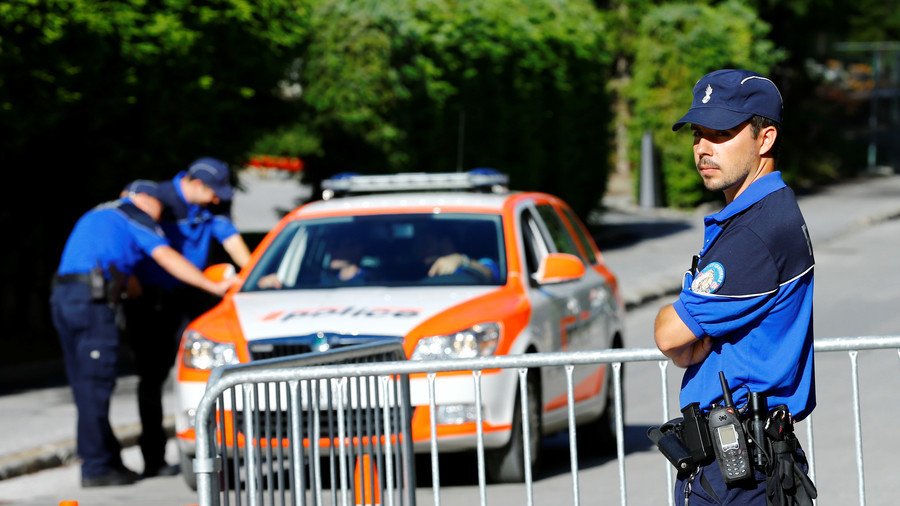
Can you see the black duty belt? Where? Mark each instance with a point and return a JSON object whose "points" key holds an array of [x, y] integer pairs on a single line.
{"points": [[66, 279]]}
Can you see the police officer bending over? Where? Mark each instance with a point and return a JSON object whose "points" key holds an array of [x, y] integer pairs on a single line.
{"points": [[85, 301], [194, 214], [742, 325]]}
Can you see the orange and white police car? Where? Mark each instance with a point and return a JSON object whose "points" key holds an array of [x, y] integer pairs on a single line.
{"points": [[455, 265]]}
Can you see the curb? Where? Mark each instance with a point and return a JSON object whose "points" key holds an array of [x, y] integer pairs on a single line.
{"points": [[63, 453]]}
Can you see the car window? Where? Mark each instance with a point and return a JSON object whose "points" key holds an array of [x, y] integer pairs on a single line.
{"points": [[558, 231], [581, 235], [533, 242], [384, 250]]}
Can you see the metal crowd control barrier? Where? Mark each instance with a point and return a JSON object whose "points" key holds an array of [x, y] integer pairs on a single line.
{"points": [[391, 475], [278, 440]]}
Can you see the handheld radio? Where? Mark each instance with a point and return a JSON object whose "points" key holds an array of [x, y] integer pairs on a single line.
{"points": [[729, 441]]}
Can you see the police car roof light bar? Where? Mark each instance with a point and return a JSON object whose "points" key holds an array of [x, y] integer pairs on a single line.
{"points": [[476, 179]]}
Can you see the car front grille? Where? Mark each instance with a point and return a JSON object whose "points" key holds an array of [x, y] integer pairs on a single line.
{"points": [[297, 345]]}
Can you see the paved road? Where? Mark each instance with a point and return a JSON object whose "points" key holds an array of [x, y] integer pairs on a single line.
{"points": [[646, 248]]}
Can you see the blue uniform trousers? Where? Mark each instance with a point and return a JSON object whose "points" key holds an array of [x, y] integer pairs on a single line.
{"points": [[708, 487], [155, 321], [90, 344]]}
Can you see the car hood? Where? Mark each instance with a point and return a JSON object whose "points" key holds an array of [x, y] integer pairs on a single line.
{"points": [[355, 311]]}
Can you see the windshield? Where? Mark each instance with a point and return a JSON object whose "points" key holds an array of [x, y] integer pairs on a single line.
{"points": [[383, 250]]}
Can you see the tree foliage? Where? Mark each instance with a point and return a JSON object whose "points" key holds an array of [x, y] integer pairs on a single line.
{"points": [[679, 43], [94, 94], [394, 85]]}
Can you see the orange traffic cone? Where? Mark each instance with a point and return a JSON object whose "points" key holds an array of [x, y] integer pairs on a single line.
{"points": [[365, 481], [68, 503]]}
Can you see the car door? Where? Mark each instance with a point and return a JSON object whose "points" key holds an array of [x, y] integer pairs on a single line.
{"points": [[560, 317]]}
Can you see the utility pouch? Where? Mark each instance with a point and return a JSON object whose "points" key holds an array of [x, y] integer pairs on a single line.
{"points": [[666, 439], [685, 441], [695, 434], [98, 284]]}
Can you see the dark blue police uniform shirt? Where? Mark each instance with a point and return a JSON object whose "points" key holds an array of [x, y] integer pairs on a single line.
{"points": [[113, 233], [190, 229], [752, 292]]}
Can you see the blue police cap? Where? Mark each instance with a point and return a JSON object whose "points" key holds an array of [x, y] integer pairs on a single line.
{"points": [[143, 186], [726, 98], [215, 174]]}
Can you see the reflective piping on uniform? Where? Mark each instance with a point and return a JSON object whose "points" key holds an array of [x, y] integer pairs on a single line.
{"points": [[154, 230], [795, 278]]}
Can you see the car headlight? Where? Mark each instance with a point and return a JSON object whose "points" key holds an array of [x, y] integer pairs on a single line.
{"points": [[476, 341], [205, 354]]}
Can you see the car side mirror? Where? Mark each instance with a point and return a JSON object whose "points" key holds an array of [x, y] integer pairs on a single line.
{"points": [[219, 272], [559, 268]]}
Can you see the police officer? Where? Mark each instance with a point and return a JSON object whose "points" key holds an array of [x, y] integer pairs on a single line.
{"points": [[191, 221], [746, 305], [99, 255]]}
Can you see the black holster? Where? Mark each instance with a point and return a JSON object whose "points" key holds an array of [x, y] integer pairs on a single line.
{"points": [[787, 483], [115, 294]]}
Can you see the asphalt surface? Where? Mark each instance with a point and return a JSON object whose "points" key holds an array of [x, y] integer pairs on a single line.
{"points": [[648, 249]]}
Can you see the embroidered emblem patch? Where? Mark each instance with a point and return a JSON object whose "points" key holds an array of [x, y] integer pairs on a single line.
{"points": [[708, 94], [709, 279]]}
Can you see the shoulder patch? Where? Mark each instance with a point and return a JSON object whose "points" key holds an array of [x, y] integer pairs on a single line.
{"points": [[709, 279]]}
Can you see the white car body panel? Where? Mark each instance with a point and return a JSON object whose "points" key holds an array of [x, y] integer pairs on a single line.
{"points": [[375, 311]]}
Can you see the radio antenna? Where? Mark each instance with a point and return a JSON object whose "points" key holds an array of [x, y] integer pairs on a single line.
{"points": [[726, 393]]}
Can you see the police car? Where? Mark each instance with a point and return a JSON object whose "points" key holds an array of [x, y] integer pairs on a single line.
{"points": [[455, 265]]}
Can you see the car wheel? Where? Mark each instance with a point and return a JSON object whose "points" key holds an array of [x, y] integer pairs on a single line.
{"points": [[506, 464], [600, 434], [187, 470]]}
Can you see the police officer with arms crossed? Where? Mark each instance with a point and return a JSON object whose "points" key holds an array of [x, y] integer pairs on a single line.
{"points": [[99, 255], [165, 306], [746, 305]]}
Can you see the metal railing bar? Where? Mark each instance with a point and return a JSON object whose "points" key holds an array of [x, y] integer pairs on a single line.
{"points": [[573, 437], [370, 447], [295, 478], [268, 439], [315, 435], [526, 434], [355, 426], [435, 472], [664, 385], [620, 430], [329, 419], [408, 454], [377, 444], [238, 453], [389, 465], [249, 447], [278, 437], [342, 433], [298, 470], [223, 447], [530, 360], [810, 454], [857, 424], [479, 433]]}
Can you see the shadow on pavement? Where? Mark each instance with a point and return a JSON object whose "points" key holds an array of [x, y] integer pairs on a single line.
{"points": [[609, 236], [461, 469]]}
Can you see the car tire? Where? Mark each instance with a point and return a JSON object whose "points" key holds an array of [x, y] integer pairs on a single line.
{"points": [[506, 464], [187, 470]]}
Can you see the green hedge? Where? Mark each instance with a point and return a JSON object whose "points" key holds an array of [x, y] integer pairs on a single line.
{"points": [[678, 44]]}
